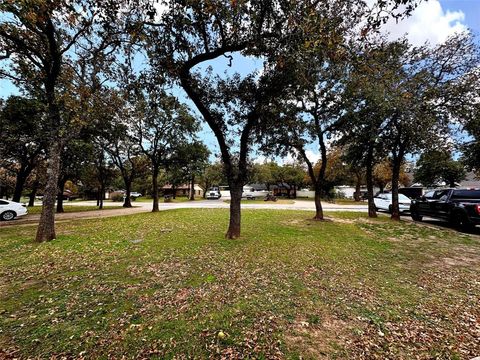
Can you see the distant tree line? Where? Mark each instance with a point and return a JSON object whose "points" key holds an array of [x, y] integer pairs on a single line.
{"points": [[118, 90]]}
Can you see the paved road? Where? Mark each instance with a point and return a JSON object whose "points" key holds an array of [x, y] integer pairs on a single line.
{"points": [[140, 207]]}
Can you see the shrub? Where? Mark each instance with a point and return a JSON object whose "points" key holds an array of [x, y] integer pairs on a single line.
{"points": [[340, 195], [116, 196]]}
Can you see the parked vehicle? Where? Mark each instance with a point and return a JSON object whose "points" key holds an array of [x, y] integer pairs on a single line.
{"points": [[251, 193], [10, 210], [384, 202], [460, 207], [133, 194], [213, 195]]}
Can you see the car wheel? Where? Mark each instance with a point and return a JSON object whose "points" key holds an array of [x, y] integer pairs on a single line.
{"points": [[416, 217], [460, 221], [8, 215], [390, 209]]}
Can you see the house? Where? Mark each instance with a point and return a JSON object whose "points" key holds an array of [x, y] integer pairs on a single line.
{"points": [[181, 190]]}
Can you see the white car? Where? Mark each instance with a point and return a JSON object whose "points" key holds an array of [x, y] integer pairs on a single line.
{"points": [[213, 195], [384, 202], [10, 210]]}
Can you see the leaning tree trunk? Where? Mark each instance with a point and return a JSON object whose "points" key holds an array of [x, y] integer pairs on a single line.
{"points": [[372, 211], [61, 188], [192, 188], [155, 207], [233, 231], [19, 185], [395, 181], [46, 226]]}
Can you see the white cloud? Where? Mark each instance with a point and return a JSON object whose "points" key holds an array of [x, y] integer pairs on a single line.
{"points": [[313, 156], [260, 159], [428, 23]]}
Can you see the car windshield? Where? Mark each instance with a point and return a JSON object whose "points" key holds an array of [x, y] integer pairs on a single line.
{"points": [[429, 194]]}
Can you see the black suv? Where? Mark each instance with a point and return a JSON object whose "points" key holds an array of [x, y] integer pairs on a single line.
{"points": [[458, 206]]}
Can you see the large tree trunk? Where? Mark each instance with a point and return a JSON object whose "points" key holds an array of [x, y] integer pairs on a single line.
{"points": [[33, 193], [205, 190], [372, 211], [20, 184], [128, 201], [233, 231], [357, 188], [382, 187], [46, 226], [155, 207], [318, 204], [61, 188], [192, 188], [395, 179], [101, 196]]}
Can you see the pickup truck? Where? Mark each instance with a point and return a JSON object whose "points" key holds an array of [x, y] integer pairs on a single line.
{"points": [[460, 207], [213, 195]]}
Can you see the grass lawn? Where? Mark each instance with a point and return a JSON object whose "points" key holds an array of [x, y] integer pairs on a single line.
{"points": [[163, 285], [261, 201], [72, 208]]}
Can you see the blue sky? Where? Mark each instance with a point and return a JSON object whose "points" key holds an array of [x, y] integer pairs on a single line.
{"points": [[471, 9], [432, 21]]}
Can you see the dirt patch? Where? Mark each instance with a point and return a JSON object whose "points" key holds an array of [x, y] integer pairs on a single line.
{"points": [[463, 257], [33, 219], [320, 340]]}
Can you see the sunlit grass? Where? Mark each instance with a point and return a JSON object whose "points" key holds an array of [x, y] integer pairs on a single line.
{"points": [[164, 284]]}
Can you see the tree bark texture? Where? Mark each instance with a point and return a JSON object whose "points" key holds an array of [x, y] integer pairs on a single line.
{"points": [[395, 179], [233, 231], [372, 210], [128, 201], [101, 196], [318, 204], [192, 188], [20, 180], [46, 226], [33, 193], [155, 207], [61, 188], [357, 189]]}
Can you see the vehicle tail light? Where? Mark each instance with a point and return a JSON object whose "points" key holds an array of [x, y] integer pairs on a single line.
{"points": [[478, 209]]}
